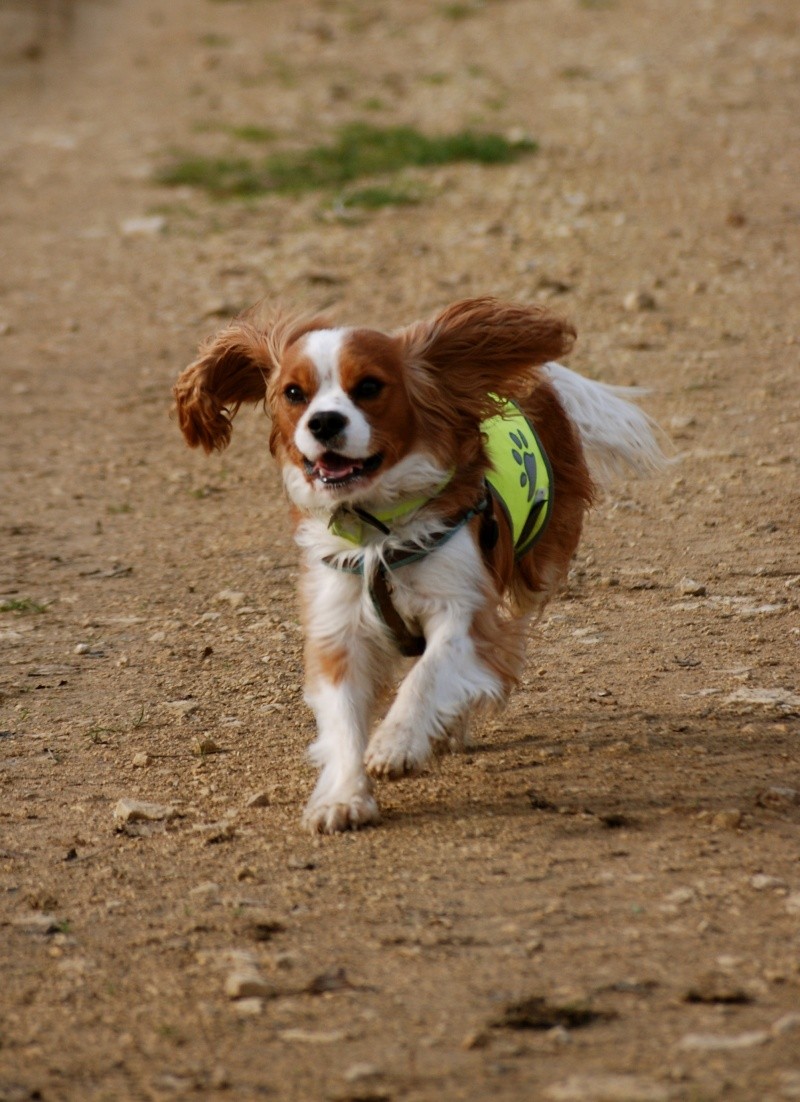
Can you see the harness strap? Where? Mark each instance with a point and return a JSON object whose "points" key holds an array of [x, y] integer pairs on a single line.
{"points": [[409, 643]]}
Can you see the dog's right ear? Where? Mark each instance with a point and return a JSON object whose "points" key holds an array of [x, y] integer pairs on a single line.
{"points": [[233, 367]]}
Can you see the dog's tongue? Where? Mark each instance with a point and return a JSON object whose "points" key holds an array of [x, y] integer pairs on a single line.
{"points": [[331, 465]]}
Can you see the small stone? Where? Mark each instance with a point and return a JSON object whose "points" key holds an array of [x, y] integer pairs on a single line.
{"points": [[712, 1042], [213, 833], [357, 1073], [716, 987], [141, 760], [778, 797], [147, 226], [249, 1007], [207, 745], [639, 301], [793, 903], [762, 883], [789, 1023], [476, 1038], [245, 872], [82, 648], [688, 587], [313, 1036], [258, 799], [231, 597], [729, 819], [219, 1080], [679, 897], [608, 1088], [37, 923], [182, 708], [209, 889], [247, 983], [141, 811]]}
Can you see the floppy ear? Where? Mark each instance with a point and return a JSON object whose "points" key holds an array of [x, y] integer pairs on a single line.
{"points": [[481, 346], [232, 368]]}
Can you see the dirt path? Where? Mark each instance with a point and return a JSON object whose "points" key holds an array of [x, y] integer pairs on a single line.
{"points": [[620, 854]]}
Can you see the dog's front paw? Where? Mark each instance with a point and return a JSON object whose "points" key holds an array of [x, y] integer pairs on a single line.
{"points": [[331, 816], [393, 754]]}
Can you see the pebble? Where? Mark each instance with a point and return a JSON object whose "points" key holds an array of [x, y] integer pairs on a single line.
{"points": [[793, 903], [146, 226], [357, 1073], [247, 983], [688, 587], [778, 797], [713, 1042], [639, 301], [208, 888], [39, 922], [761, 883], [258, 799], [608, 1088], [207, 745], [728, 819], [141, 760], [717, 987], [231, 597], [182, 708], [789, 1023], [141, 811], [212, 833], [313, 1036]]}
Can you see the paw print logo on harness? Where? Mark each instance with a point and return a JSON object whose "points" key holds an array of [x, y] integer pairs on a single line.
{"points": [[524, 457]]}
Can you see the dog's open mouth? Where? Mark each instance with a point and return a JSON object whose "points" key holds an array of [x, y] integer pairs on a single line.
{"points": [[332, 469]]}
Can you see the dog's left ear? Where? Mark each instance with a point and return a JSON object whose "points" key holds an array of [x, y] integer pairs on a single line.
{"points": [[481, 346], [231, 368]]}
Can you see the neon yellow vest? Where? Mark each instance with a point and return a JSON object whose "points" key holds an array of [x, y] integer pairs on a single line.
{"points": [[520, 478]]}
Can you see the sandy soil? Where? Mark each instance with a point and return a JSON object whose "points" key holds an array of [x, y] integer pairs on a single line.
{"points": [[600, 902]]}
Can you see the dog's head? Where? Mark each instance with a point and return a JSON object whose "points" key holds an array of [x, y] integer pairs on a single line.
{"points": [[363, 416]]}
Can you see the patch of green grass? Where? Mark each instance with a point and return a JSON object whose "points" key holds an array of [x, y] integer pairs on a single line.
{"points": [[457, 12], [213, 40], [22, 605], [359, 150], [221, 176], [373, 198], [252, 133]]}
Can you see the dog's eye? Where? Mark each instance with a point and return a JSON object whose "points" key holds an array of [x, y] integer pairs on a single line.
{"points": [[294, 394], [369, 387]]}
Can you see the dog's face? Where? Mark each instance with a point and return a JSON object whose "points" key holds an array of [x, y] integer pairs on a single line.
{"points": [[343, 417], [363, 416]]}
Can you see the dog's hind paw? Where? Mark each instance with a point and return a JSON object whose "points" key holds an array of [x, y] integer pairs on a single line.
{"points": [[332, 817]]}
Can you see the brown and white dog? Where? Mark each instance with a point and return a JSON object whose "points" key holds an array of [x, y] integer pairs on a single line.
{"points": [[405, 550]]}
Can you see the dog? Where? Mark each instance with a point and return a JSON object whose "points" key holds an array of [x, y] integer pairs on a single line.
{"points": [[438, 477]]}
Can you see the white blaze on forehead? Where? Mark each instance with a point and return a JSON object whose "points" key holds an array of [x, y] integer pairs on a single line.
{"points": [[323, 347]]}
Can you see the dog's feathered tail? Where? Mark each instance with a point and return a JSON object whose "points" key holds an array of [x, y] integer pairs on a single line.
{"points": [[618, 437]]}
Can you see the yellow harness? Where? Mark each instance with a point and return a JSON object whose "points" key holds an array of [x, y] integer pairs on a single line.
{"points": [[519, 483], [520, 479]]}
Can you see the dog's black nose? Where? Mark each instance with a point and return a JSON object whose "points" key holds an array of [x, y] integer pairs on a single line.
{"points": [[324, 426]]}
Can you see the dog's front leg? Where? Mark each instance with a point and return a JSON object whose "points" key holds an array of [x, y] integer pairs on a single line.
{"points": [[447, 682], [341, 684]]}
